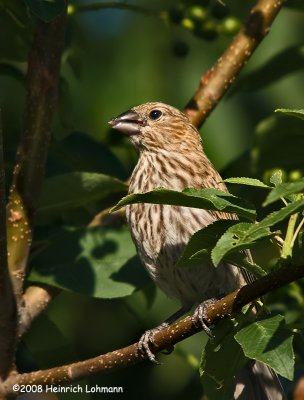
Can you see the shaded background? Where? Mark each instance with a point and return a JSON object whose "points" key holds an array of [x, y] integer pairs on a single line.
{"points": [[115, 59]]}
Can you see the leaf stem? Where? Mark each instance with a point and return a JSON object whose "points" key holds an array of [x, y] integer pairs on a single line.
{"points": [[289, 238]]}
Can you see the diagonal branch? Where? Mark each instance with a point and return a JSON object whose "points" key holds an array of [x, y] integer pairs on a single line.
{"points": [[218, 79], [42, 86], [175, 333], [8, 320]]}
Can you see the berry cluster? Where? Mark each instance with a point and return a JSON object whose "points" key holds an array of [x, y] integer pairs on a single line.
{"points": [[207, 19]]}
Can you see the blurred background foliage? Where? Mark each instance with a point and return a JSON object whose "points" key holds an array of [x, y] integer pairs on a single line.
{"points": [[114, 59]]}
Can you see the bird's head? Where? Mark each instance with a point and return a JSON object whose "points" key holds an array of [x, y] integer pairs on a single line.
{"points": [[156, 126]]}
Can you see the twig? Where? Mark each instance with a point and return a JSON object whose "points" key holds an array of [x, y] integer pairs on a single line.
{"points": [[175, 333], [42, 83], [8, 320], [218, 79]]}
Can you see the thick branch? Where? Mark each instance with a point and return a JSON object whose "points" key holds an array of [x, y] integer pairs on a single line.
{"points": [[8, 321], [42, 85], [175, 333], [218, 79]]}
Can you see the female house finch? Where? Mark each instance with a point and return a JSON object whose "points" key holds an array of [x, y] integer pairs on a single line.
{"points": [[171, 156]]}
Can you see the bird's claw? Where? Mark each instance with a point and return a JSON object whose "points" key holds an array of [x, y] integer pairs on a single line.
{"points": [[200, 317], [144, 344], [148, 338]]}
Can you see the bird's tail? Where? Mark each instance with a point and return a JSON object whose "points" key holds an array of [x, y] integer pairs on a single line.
{"points": [[257, 381]]}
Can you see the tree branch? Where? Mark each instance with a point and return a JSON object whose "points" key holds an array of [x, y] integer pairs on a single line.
{"points": [[175, 333], [42, 83], [8, 316], [218, 79], [35, 300]]}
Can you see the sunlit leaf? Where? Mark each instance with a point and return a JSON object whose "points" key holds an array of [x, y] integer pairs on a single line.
{"points": [[272, 344], [209, 199], [247, 181], [99, 262]]}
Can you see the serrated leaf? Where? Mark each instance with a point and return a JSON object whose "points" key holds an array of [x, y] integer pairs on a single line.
{"points": [[75, 189], [291, 112], [241, 260], [208, 199], [99, 262], [241, 236], [201, 243], [245, 235], [272, 344], [248, 182], [46, 10], [283, 190]]}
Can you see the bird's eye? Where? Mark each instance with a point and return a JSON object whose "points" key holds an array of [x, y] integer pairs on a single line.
{"points": [[155, 114]]}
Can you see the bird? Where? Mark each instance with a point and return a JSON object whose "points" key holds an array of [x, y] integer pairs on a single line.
{"points": [[171, 156]]}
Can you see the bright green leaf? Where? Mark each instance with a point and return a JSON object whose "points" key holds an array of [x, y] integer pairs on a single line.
{"points": [[291, 112], [209, 199], [247, 181], [283, 190], [238, 237], [272, 344], [99, 262], [245, 235], [201, 243]]}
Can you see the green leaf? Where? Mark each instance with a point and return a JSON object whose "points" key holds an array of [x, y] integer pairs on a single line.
{"points": [[46, 10], [245, 235], [272, 344], [241, 236], [208, 199], [291, 112], [75, 189], [201, 243], [241, 260], [283, 190], [99, 262], [218, 380], [247, 181]]}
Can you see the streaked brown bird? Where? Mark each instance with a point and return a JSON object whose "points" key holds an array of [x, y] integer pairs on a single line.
{"points": [[171, 156]]}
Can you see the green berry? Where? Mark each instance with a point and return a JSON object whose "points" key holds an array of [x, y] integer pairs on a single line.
{"points": [[295, 175], [187, 23], [196, 13], [230, 26]]}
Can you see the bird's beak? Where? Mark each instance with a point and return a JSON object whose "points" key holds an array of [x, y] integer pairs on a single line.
{"points": [[128, 123]]}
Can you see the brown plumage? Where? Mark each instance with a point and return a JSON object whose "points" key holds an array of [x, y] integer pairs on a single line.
{"points": [[171, 155]]}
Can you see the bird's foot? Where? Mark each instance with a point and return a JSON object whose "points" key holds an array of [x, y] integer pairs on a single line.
{"points": [[148, 338], [200, 317]]}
